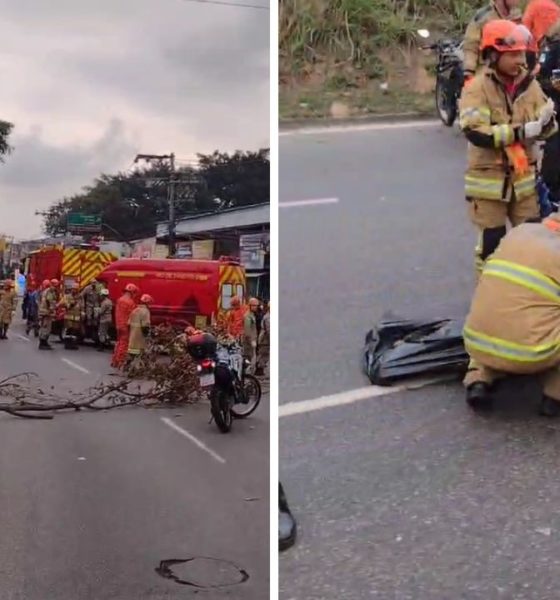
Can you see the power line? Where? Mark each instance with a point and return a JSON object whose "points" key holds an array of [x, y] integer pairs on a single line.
{"points": [[238, 4]]}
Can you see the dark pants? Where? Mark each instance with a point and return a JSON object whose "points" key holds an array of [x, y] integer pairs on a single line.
{"points": [[550, 168]]}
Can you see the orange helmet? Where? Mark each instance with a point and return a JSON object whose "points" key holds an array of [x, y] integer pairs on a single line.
{"points": [[46, 283], [146, 299], [130, 287], [55, 282], [505, 36]]}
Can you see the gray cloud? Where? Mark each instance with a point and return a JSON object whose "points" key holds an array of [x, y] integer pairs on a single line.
{"points": [[91, 85]]}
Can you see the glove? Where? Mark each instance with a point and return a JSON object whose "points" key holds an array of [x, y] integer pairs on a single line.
{"points": [[532, 129], [547, 112]]}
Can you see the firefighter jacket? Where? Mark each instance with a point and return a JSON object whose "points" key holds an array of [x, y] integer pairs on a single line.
{"points": [[139, 323], [125, 306], [74, 308], [8, 304], [492, 120], [514, 320], [48, 302], [472, 60], [106, 311]]}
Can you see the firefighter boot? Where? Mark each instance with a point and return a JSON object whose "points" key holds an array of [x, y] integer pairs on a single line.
{"points": [[478, 396], [549, 407], [44, 345], [287, 527], [5, 332]]}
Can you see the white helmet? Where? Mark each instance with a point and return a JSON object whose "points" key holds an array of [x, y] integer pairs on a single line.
{"points": [[104, 292]]}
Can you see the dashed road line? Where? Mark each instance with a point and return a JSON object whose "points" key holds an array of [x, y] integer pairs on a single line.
{"points": [[310, 202], [193, 439], [74, 365]]}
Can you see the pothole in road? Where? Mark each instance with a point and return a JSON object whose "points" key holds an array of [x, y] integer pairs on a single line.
{"points": [[202, 572]]}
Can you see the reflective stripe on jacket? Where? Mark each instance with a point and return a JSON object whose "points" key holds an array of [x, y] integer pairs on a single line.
{"points": [[514, 321], [492, 121]]}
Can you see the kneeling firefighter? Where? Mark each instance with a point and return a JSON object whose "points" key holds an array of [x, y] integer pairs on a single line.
{"points": [[503, 114], [513, 326]]}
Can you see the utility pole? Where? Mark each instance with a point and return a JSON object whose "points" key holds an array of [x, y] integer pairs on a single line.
{"points": [[170, 193]]}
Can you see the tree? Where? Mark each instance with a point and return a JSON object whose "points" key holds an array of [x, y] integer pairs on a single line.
{"points": [[5, 131], [238, 180], [131, 204]]}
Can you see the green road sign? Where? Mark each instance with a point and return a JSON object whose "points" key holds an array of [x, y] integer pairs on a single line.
{"points": [[81, 222]]}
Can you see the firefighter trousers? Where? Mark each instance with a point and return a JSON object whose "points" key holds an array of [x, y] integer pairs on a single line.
{"points": [[45, 326], [490, 217], [549, 377]]}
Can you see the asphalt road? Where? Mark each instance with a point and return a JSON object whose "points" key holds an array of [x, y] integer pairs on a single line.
{"points": [[91, 503], [407, 495]]}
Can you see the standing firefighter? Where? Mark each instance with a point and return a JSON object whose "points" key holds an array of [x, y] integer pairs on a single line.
{"points": [[47, 311], [139, 323], [263, 347], [8, 305], [500, 9], [513, 326], [73, 305], [90, 298], [125, 305], [503, 113], [250, 334], [105, 320]]}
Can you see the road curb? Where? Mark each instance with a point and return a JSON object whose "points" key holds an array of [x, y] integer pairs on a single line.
{"points": [[321, 122]]}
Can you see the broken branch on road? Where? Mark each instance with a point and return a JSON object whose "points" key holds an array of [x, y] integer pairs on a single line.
{"points": [[164, 374]]}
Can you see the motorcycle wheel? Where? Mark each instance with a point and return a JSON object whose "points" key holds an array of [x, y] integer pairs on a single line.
{"points": [[221, 411], [446, 113], [253, 392]]}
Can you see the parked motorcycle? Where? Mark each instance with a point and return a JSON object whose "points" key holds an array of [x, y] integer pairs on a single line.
{"points": [[449, 76], [234, 393]]}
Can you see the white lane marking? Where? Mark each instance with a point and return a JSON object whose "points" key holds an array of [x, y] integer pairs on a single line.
{"points": [[75, 366], [353, 396], [311, 202], [22, 337], [358, 128], [193, 439]]}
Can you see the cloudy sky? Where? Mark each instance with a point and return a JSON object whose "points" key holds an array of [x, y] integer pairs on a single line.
{"points": [[90, 83]]}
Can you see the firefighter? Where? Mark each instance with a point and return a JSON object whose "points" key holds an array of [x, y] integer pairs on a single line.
{"points": [[125, 305], [73, 305], [263, 346], [91, 301], [250, 335], [8, 305], [503, 113], [105, 316], [498, 9], [235, 317], [139, 324], [542, 17], [47, 311], [513, 326]]}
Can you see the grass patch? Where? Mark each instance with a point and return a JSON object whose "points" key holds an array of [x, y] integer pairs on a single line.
{"points": [[342, 50]]}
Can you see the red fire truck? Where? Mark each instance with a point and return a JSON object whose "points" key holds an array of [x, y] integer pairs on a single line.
{"points": [[184, 291]]}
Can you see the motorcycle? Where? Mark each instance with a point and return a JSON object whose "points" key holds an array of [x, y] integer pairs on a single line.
{"points": [[449, 76], [222, 370]]}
